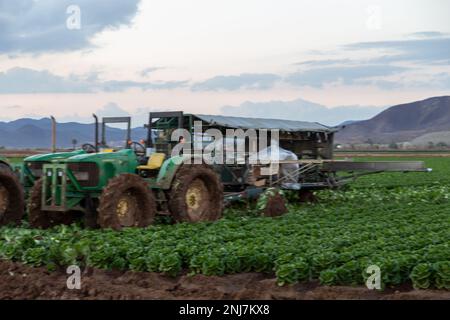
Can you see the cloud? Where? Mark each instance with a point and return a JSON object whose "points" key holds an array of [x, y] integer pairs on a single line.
{"points": [[13, 107], [428, 50], [24, 80], [119, 86], [325, 62], [427, 34], [380, 60], [146, 72], [318, 77], [434, 81], [303, 110], [30, 26], [111, 109], [254, 81], [139, 116]]}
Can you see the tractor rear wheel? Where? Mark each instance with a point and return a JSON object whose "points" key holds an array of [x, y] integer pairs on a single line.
{"points": [[11, 197], [196, 194], [41, 219], [126, 201]]}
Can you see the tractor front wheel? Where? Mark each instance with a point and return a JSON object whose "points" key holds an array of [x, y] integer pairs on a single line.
{"points": [[11, 197], [126, 201], [196, 194], [41, 219]]}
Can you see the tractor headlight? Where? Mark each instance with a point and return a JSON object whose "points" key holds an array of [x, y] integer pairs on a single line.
{"points": [[81, 176], [36, 168]]}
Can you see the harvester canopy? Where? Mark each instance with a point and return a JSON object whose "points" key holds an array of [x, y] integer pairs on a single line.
{"points": [[260, 123], [308, 140]]}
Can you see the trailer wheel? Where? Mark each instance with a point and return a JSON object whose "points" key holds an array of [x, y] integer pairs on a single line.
{"points": [[126, 201], [41, 219], [272, 203], [196, 194], [11, 197]]}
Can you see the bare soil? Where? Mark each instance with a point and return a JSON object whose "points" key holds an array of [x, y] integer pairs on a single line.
{"points": [[23, 282]]}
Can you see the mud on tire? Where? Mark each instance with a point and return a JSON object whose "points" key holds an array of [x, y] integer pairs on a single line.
{"points": [[275, 204], [196, 194], [11, 197], [45, 219], [126, 201]]}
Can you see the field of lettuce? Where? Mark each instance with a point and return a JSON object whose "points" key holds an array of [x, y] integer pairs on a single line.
{"points": [[399, 222]]}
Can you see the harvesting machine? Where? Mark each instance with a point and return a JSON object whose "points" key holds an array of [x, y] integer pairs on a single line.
{"points": [[128, 187]]}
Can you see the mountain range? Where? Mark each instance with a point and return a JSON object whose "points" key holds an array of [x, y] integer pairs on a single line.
{"points": [[31, 133], [401, 123], [419, 122]]}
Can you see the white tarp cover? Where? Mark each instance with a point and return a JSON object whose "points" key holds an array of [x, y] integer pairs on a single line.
{"points": [[287, 170]]}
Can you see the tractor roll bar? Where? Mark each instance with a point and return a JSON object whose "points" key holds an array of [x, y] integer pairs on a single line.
{"points": [[159, 115], [126, 120]]}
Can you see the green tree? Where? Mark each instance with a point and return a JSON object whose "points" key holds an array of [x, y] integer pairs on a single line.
{"points": [[393, 145]]}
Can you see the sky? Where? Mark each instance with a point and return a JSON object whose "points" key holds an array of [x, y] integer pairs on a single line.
{"points": [[321, 60]]}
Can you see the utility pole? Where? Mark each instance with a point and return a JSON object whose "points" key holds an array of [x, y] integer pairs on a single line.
{"points": [[53, 134]]}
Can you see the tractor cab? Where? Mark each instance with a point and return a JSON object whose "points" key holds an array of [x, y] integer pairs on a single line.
{"points": [[159, 143]]}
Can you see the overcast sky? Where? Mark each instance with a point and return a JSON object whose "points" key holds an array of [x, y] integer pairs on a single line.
{"points": [[280, 58]]}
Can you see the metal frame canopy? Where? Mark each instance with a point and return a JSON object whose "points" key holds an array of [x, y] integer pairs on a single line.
{"points": [[260, 123], [164, 118], [309, 139]]}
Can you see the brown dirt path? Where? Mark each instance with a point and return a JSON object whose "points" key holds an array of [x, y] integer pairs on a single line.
{"points": [[23, 282]]}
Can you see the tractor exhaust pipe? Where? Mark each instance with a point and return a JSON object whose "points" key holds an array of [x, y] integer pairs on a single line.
{"points": [[96, 132], [53, 134]]}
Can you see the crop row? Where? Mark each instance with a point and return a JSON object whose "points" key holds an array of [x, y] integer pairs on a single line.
{"points": [[404, 231]]}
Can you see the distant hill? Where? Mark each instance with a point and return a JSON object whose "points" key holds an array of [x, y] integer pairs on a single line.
{"points": [[400, 123], [31, 133], [345, 123], [436, 138]]}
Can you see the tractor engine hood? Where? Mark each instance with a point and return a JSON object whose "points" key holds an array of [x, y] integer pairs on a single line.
{"points": [[53, 156], [121, 155]]}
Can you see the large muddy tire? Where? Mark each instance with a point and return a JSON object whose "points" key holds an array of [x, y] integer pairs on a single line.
{"points": [[126, 201], [196, 194], [11, 197], [41, 219]]}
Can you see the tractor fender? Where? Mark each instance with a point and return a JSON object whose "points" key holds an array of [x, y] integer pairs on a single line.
{"points": [[5, 165], [168, 171]]}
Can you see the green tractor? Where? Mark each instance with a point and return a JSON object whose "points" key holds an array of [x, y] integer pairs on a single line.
{"points": [[17, 179], [11, 195], [30, 170], [126, 187]]}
